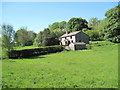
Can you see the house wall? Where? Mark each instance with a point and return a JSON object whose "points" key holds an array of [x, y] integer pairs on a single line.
{"points": [[63, 41], [82, 37], [73, 38], [68, 38], [72, 46]]}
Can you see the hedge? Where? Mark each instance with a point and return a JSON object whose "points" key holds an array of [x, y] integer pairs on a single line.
{"points": [[34, 52]]}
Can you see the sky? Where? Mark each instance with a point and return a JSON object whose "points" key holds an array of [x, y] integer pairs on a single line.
{"points": [[39, 15]]}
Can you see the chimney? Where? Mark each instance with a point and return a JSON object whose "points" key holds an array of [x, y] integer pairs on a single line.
{"points": [[67, 32]]}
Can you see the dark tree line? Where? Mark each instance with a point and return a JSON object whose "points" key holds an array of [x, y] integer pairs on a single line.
{"points": [[47, 38]]}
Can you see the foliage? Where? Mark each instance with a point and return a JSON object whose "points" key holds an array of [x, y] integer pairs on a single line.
{"points": [[115, 39], [21, 37], [76, 24], [38, 40], [27, 53], [7, 37], [54, 26], [95, 68], [93, 34], [31, 36], [93, 23], [112, 29], [58, 26], [62, 25], [47, 38], [24, 37], [6, 42], [101, 28], [42, 39]]}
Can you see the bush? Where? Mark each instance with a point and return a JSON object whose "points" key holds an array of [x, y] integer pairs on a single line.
{"points": [[115, 39], [93, 34], [34, 52]]}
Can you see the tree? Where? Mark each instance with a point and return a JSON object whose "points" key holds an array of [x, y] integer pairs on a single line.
{"points": [[38, 40], [112, 29], [101, 28], [93, 23], [7, 37], [42, 38], [93, 34], [21, 37], [76, 24], [54, 26], [62, 26], [47, 38], [58, 26], [31, 36]]}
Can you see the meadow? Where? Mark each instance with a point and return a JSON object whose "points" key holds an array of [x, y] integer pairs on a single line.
{"points": [[93, 68]]}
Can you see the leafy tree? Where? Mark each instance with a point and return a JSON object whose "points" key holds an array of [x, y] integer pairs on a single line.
{"points": [[93, 34], [47, 38], [21, 37], [31, 36], [59, 33], [54, 26], [38, 40], [58, 26], [62, 25], [7, 37], [101, 28], [42, 38], [93, 23], [76, 24], [112, 29]]}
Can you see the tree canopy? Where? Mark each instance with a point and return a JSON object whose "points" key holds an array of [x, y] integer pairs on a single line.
{"points": [[93, 23], [57, 26], [24, 37], [76, 24], [21, 37], [7, 36], [112, 28]]}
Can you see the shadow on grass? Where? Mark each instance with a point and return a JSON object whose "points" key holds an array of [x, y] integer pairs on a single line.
{"points": [[35, 57]]}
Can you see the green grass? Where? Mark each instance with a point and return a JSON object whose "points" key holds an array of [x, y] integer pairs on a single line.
{"points": [[94, 68]]}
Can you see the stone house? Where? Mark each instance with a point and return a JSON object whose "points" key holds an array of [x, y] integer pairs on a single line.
{"points": [[75, 40]]}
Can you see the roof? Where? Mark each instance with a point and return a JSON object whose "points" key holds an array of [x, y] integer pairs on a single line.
{"points": [[79, 43], [70, 34]]}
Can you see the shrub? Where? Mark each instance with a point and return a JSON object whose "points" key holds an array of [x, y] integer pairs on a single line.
{"points": [[115, 39], [34, 52]]}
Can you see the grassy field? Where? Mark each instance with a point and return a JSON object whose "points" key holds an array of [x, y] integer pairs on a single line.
{"points": [[94, 68]]}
